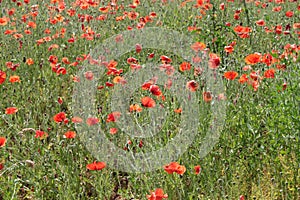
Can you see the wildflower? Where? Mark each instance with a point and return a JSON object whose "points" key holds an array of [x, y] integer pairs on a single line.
{"points": [[138, 48], [192, 85], [11, 110], [41, 134], [243, 78], [270, 73], [214, 61], [228, 49], [135, 107], [113, 117], [175, 167], [179, 110], [207, 97], [157, 195], [59, 117], [2, 76], [165, 59], [253, 58], [14, 79], [2, 141], [113, 131], [89, 75], [76, 120], [198, 46], [230, 75], [155, 90], [197, 169], [96, 166], [92, 121], [70, 134], [260, 22], [185, 66], [242, 32], [148, 102]]}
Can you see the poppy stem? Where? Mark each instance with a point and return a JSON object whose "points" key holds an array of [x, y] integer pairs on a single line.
{"points": [[248, 18]]}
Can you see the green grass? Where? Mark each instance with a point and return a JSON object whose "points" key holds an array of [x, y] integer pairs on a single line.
{"points": [[258, 151]]}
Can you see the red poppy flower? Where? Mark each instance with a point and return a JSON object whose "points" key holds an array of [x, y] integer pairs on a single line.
{"points": [[155, 90], [157, 195], [284, 86], [192, 85], [146, 86], [113, 117], [12, 66], [109, 84], [175, 167], [254, 84], [14, 79], [289, 13], [2, 141], [254, 75], [228, 49], [148, 102], [135, 66], [247, 67], [207, 97], [11, 110], [135, 107], [151, 55], [96, 166], [253, 58], [198, 46], [230, 75], [70, 134], [185, 66], [138, 48], [119, 79], [243, 78], [60, 100], [214, 61], [89, 75], [141, 143], [278, 29], [132, 60], [165, 59], [270, 73], [179, 110], [260, 22], [76, 120], [197, 169], [268, 59], [41, 134], [53, 59], [242, 31], [92, 121], [104, 9], [29, 61], [4, 21], [2, 76], [66, 60], [132, 15], [113, 131], [296, 26], [1, 166], [59, 117]]}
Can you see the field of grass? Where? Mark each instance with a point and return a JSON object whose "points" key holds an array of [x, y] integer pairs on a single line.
{"points": [[252, 49]]}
